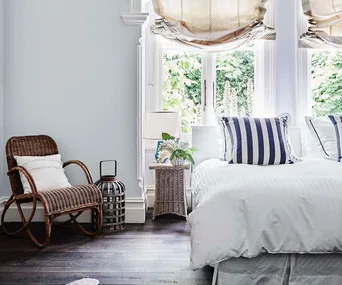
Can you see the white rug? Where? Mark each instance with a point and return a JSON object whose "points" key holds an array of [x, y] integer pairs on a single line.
{"points": [[85, 281]]}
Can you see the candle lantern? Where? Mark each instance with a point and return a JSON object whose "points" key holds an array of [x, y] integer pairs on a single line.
{"points": [[113, 192]]}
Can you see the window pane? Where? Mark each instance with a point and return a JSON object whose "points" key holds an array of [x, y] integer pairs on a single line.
{"points": [[182, 86], [326, 84], [235, 83]]}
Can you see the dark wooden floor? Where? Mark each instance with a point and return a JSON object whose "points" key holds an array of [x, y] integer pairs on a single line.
{"points": [[154, 253]]}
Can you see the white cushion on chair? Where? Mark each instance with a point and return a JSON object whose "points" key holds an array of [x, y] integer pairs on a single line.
{"points": [[47, 172]]}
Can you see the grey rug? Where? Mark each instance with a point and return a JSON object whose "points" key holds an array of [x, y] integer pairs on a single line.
{"points": [[85, 281]]}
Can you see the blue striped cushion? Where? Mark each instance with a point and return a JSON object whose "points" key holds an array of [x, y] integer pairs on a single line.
{"points": [[258, 141], [337, 121]]}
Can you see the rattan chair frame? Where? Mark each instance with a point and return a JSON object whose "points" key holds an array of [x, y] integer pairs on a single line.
{"points": [[40, 145]]}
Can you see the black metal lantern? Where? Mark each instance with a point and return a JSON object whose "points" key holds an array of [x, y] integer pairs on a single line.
{"points": [[113, 192]]}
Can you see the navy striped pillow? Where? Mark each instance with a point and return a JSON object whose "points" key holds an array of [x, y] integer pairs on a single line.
{"points": [[337, 121], [258, 141]]}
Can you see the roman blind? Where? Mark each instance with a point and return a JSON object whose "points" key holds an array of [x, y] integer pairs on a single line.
{"points": [[212, 23], [325, 25]]}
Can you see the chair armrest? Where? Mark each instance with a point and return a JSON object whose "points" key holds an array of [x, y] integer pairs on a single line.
{"points": [[83, 166], [27, 175]]}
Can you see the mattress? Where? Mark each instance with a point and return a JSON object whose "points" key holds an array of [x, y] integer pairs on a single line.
{"points": [[247, 210]]}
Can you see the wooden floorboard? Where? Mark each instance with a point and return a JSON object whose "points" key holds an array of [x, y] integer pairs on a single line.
{"points": [[157, 252]]}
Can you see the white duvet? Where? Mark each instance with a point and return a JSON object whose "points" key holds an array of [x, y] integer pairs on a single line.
{"points": [[244, 210]]}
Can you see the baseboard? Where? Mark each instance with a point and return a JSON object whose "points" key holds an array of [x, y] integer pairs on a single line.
{"points": [[135, 212], [2, 203], [151, 193]]}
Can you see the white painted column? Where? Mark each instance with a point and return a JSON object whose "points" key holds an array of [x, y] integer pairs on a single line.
{"points": [[136, 17], [286, 73]]}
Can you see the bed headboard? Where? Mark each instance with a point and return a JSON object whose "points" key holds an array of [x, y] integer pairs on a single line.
{"points": [[207, 140]]}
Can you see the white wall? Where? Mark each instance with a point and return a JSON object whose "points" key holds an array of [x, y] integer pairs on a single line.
{"points": [[2, 29], [71, 73]]}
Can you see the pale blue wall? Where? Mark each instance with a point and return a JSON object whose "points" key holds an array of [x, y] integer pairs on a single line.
{"points": [[71, 73], [2, 156]]}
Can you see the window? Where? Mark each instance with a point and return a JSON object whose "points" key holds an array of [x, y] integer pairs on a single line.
{"points": [[235, 83], [182, 83], [221, 83], [326, 82]]}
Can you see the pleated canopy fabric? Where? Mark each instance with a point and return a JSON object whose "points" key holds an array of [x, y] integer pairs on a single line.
{"points": [[325, 24], [228, 24]]}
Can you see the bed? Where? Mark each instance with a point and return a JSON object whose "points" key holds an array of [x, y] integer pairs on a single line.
{"points": [[266, 225]]}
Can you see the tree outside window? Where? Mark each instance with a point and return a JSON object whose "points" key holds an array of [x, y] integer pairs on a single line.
{"points": [[235, 83], [182, 84], [326, 70]]}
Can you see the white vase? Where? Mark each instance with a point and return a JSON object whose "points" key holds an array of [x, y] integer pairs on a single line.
{"points": [[177, 161]]}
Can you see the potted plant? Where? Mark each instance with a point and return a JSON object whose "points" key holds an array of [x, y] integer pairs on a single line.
{"points": [[176, 150]]}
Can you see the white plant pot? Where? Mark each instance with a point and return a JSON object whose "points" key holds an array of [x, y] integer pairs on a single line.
{"points": [[177, 161]]}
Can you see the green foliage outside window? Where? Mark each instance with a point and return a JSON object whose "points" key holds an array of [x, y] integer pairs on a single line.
{"points": [[327, 83], [235, 83], [182, 86], [183, 79]]}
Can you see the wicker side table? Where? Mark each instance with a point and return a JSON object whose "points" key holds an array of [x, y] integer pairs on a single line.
{"points": [[170, 194]]}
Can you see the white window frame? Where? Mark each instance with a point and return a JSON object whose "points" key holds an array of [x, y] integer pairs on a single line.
{"points": [[264, 76], [264, 81]]}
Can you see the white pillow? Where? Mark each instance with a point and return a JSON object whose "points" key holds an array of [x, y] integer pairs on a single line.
{"points": [[310, 148], [337, 122], [224, 142], [47, 172], [323, 133]]}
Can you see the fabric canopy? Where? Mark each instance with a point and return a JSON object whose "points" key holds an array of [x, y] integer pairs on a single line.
{"points": [[212, 23], [325, 24]]}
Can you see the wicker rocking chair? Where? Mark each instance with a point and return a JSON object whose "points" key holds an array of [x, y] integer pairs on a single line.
{"points": [[72, 201]]}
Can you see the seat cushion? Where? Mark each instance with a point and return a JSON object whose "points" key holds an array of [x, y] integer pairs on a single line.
{"points": [[71, 199]]}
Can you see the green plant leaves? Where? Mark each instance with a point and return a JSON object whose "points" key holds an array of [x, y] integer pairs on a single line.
{"points": [[326, 69], [182, 82], [166, 136], [180, 153]]}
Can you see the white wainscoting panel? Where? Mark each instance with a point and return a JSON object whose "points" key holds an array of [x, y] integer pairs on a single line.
{"points": [[135, 212], [2, 204]]}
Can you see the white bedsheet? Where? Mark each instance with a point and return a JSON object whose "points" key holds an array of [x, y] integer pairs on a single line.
{"points": [[244, 210]]}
